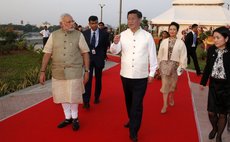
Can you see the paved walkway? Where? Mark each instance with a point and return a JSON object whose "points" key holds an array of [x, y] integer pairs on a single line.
{"points": [[23, 99], [200, 109]]}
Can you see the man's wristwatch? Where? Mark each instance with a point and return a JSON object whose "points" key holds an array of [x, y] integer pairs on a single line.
{"points": [[86, 70]]}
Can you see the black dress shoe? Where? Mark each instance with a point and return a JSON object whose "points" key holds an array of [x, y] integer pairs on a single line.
{"points": [[212, 134], [96, 101], [126, 125], [65, 123], [86, 106], [133, 138], [75, 124]]}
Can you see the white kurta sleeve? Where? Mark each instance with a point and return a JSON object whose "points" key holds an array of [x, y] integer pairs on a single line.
{"points": [[152, 57], [115, 48]]}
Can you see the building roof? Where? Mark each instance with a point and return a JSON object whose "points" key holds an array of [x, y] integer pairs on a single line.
{"points": [[192, 2]]}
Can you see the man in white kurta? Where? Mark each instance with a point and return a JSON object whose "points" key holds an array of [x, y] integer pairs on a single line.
{"points": [[138, 66], [69, 52]]}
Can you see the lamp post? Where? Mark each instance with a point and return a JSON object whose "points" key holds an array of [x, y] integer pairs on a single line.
{"points": [[120, 11], [101, 6]]}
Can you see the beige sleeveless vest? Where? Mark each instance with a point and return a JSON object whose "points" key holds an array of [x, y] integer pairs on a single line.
{"points": [[66, 57]]}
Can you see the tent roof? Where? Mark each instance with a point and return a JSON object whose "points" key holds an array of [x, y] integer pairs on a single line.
{"points": [[197, 2], [202, 15]]}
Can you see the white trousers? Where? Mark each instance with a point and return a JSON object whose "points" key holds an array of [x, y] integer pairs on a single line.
{"points": [[70, 110]]}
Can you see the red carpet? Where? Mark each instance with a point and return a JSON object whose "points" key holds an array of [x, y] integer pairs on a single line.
{"points": [[104, 122], [194, 78]]}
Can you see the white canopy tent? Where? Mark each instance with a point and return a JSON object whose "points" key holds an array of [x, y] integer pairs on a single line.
{"points": [[202, 15], [197, 2], [201, 12]]}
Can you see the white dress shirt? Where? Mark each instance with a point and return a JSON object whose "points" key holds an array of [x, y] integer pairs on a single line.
{"points": [[138, 54], [45, 33], [194, 39], [96, 36]]}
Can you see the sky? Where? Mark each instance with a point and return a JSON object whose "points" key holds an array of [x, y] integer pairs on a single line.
{"points": [[35, 12]]}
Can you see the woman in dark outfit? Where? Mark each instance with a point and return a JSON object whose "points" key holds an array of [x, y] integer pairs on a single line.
{"points": [[217, 70]]}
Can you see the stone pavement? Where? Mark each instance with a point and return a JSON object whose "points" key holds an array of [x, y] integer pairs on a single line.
{"points": [[18, 101], [200, 108]]}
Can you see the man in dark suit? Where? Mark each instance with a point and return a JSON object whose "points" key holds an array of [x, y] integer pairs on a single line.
{"points": [[191, 43], [98, 42]]}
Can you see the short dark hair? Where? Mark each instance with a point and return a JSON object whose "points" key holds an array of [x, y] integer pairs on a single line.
{"points": [[101, 23], [165, 32], [194, 25], [224, 32], [135, 11], [93, 18], [175, 24]]}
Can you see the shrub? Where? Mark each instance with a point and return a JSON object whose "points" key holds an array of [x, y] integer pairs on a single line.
{"points": [[31, 78], [21, 44]]}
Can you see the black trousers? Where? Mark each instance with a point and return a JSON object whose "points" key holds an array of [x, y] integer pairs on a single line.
{"points": [[98, 83], [45, 40], [192, 53], [134, 90]]}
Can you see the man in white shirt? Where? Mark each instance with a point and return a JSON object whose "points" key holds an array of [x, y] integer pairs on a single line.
{"points": [[45, 34], [138, 66]]}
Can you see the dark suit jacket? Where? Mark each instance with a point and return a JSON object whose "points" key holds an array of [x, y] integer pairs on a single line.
{"points": [[189, 41], [211, 58], [99, 58]]}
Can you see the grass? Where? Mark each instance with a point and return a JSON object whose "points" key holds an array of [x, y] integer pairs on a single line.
{"points": [[13, 67], [201, 62], [19, 70]]}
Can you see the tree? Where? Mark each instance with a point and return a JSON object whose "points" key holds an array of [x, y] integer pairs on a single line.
{"points": [[7, 34], [123, 27], [144, 22]]}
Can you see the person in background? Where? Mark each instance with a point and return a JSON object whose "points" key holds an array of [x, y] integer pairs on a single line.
{"points": [[217, 71], [101, 25], [164, 35], [98, 42], [138, 66], [171, 55], [45, 34], [80, 28], [191, 43], [111, 34], [146, 27], [69, 52], [183, 33], [76, 26]]}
